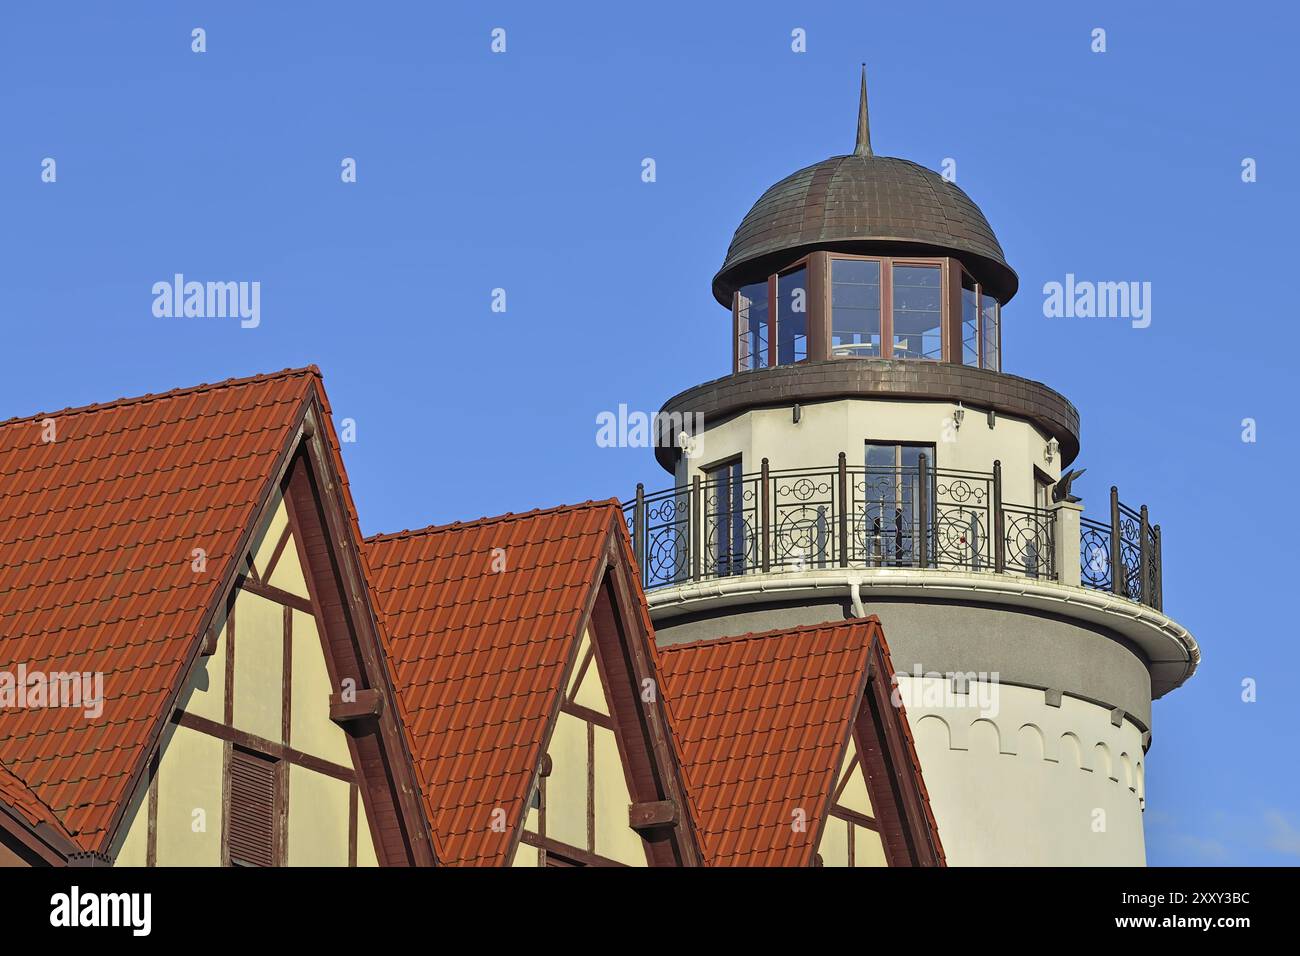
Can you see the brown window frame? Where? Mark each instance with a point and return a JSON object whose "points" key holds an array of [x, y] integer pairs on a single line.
{"points": [[810, 320], [980, 295], [818, 267]]}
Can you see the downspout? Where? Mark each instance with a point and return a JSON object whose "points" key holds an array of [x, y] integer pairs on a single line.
{"points": [[855, 595]]}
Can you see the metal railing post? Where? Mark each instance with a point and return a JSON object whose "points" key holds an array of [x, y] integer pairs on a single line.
{"points": [[766, 520], [923, 512], [697, 527], [999, 530], [1118, 576], [844, 510], [1144, 557], [638, 532]]}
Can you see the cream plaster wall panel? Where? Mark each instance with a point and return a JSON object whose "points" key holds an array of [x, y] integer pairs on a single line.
{"points": [[526, 855], [288, 574], [266, 540], [614, 838], [834, 847], [133, 849], [1011, 786], [259, 666], [310, 727], [591, 693], [205, 695], [566, 787], [366, 855], [189, 780], [855, 796], [318, 819], [827, 428], [868, 850]]}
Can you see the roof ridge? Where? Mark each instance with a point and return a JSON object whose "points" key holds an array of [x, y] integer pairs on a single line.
{"points": [[492, 519], [308, 370], [763, 635]]}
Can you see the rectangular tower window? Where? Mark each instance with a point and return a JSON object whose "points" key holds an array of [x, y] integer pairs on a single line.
{"points": [[253, 786], [855, 307], [893, 528], [917, 313], [725, 509], [792, 316], [751, 323]]}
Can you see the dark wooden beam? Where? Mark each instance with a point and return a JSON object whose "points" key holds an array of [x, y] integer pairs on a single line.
{"points": [[210, 641], [583, 857], [652, 814], [368, 703], [277, 595]]}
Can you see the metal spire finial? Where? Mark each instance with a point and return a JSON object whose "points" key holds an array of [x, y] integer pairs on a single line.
{"points": [[863, 147]]}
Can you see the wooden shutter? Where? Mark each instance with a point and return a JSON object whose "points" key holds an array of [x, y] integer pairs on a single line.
{"points": [[252, 809]]}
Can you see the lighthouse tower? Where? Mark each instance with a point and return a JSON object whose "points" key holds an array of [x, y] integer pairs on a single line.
{"points": [[866, 453]]}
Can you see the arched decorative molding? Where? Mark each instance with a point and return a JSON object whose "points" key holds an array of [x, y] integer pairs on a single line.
{"points": [[1071, 752], [1102, 762], [1029, 742], [984, 735], [932, 733], [1127, 763]]}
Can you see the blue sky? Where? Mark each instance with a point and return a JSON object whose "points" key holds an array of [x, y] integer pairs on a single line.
{"points": [[522, 171]]}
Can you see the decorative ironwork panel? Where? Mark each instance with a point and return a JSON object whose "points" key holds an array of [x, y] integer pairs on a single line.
{"points": [[1030, 542], [667, 547], [962, 521], [804, 518], [1094, 554], [1130, 550], [730, 526]]}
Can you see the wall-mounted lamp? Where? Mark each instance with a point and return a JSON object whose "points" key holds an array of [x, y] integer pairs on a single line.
{"points": [[1051, 450], [957, 416]]}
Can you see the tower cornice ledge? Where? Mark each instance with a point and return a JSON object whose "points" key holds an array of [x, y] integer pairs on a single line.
{"points": [[1170, 651], [817, 381]]}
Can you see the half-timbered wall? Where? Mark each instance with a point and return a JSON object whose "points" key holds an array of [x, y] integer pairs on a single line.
{"points": [[583, 801], [264, 689], [850, 836]]}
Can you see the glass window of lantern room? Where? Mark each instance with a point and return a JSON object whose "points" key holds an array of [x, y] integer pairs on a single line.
{"points": [[917, 327], [970, 321], [792, 316], [989, 322], [855, 307], [751, 327]]}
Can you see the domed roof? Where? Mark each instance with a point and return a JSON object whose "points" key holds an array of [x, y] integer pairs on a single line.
{"points": [[847, 201]]}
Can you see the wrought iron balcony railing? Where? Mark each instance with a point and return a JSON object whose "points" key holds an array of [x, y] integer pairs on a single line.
{"points": [[860, 517]]}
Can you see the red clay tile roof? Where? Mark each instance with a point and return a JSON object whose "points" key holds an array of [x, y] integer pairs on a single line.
{"points": [[96, 533], [762, 721], [18, 796], [479, 656]]}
